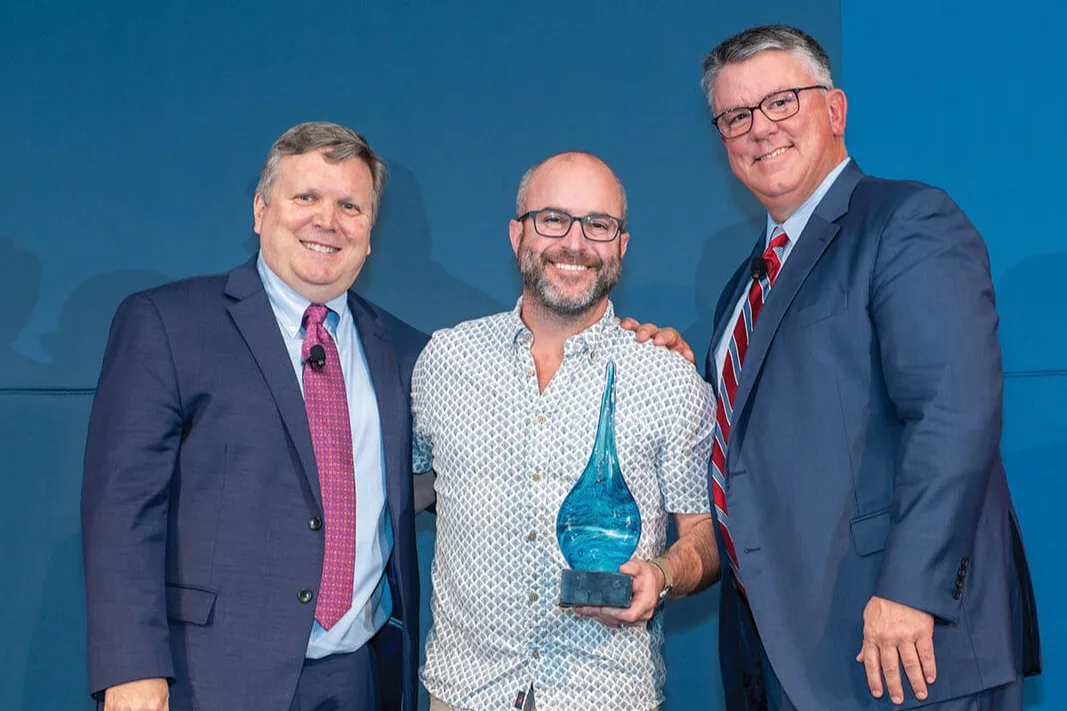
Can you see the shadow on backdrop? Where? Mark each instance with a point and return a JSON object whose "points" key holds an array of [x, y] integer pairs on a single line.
{"points": [[77, 344], [56, 649], [42, 437], [401, 274], [20, 284], [722, 252]]}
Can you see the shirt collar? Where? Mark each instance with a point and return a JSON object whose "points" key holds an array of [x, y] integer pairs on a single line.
{"points": [[289, 306], [519, 335], [794, 224]]}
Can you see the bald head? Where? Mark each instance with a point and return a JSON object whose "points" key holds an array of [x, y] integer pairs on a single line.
{"points": [[577, 168]]}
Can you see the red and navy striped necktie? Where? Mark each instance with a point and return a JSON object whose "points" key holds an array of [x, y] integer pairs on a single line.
{"points": [[730, 376]]}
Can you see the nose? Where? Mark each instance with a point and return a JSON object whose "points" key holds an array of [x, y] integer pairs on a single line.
{"points": [[326, 216], [574, 240], [761, 125]]}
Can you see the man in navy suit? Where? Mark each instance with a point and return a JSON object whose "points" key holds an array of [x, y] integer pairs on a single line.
{"points": [[247, 503], [858, 481]]}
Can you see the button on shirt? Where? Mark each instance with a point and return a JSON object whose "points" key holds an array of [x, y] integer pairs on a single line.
{"points": [[506, 455], [371, 601]]}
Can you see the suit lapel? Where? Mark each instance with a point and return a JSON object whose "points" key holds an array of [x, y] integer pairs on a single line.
{"points": [[816, 237], [385, 378], [254, 318]]}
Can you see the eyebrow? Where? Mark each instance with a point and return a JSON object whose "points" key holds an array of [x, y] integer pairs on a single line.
{"points": [[772, 92]]}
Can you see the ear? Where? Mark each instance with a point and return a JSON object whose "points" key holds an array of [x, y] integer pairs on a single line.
{"points": [[624, 240], [837, 105], [515, 235], [259, 205]]}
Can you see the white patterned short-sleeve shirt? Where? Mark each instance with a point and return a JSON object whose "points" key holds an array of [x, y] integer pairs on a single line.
{"points": [[506, 455]]}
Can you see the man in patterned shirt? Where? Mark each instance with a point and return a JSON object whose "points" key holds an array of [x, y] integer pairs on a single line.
{"points": [[505, 412]]}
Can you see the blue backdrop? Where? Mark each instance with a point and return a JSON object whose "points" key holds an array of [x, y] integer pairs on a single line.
{"points": [[135, 131]]}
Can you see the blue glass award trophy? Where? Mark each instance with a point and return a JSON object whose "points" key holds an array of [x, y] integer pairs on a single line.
{"points": [[599, 523]]}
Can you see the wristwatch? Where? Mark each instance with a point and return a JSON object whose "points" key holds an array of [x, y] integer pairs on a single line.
{"points": [[668, 579]]}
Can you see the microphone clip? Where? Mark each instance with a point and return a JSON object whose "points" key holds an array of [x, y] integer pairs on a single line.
{"points": [[316, 357], [759, 268]]}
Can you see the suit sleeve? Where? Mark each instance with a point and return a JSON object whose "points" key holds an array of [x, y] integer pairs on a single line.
{"points": [[935, 320], [130, 457]]}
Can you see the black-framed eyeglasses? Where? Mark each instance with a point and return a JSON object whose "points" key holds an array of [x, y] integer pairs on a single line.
{"points": [[777, 107], [596, 227]]}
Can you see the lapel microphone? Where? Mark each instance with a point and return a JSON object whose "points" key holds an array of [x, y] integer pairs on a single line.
{"points": [[759, 269], [316, 357]]}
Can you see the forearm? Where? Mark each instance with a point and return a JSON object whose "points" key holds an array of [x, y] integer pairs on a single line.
{"points": [[693, 560]]}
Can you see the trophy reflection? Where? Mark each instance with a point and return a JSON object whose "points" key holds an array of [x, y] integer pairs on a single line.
{"points": [[599, 523]]}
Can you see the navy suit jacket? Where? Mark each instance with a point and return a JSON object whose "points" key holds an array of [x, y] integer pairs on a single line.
{"points": [[864, 453], [200, 481]]}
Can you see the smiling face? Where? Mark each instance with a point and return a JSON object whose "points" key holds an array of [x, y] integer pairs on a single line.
{"points": [[315, 225], [569, 276], [781, 163]]}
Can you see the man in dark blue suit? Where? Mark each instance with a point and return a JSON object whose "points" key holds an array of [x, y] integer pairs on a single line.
{"points": [[247, 503], [857, 475]]}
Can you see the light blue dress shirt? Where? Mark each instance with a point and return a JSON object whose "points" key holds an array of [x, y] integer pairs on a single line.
{"points": [[371, 602], [794, 227]]}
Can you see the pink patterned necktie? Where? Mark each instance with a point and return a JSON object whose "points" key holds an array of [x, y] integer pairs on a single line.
{"points": [[331, 437], [728, 380]]}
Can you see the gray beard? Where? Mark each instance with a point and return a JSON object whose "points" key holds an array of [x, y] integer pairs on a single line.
{"points": [[541, 287]]}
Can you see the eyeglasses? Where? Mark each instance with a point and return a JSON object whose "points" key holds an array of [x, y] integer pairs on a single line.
{"points": [[556, 223], [777, 107]]}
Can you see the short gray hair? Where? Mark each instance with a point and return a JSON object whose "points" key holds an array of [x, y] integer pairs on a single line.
{"points": [[747, 44], [524, 184], [343, 142]]}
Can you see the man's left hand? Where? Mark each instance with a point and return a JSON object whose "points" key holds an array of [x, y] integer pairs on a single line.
{"points": [[648, 582], [896, 635], [669, 338]]}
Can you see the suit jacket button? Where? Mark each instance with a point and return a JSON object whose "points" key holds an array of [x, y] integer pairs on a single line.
{"points": [[314, 523], [957, 593], [964, 563], [305, 596]]}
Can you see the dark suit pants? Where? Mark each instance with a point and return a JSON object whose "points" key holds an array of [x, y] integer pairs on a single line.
{"points": [[339, 682]]}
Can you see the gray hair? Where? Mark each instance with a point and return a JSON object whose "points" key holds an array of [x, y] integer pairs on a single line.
{"points": [[343, 142], [524, 184], [747, 44]]}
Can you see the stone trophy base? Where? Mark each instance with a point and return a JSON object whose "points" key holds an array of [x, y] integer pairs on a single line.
{"points": [[595, 588]]}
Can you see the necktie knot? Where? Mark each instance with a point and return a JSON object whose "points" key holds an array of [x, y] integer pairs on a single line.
{"points": [[314, 315], [772, 256], [778, 240]]}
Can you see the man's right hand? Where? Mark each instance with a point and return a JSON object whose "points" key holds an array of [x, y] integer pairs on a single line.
{"points": [[140, 695], [669, 338]]}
